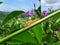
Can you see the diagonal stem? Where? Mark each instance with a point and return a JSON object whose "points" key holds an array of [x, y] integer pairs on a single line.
{"points": [[23, 29]]}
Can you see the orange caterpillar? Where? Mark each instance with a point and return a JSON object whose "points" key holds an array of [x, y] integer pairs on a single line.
{"points": [[30, 22]]}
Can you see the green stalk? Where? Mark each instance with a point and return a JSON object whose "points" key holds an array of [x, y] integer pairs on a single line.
{"points": [[23, 29]]}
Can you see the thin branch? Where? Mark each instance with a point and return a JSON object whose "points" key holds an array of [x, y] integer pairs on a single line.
{"points": [[23, 29]]}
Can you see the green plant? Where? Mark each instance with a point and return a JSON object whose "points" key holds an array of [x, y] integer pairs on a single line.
{"points": [[39, 28], [39, 32]]}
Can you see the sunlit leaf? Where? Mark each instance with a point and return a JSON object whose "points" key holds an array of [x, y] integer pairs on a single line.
{"points": [[12, 15], [14, 42], [25, 37], [37, 30], [57, 16], [58, 35]]}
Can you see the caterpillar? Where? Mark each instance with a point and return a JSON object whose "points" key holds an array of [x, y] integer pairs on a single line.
{"points": [[30, 22]]}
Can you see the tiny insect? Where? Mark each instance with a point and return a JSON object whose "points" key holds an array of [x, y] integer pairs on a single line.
{"points": [[30, 22]]}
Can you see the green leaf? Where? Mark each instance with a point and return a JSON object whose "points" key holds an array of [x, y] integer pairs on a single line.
{"points": [[57, 43], [37, 30], [38, 11], [58, 35], [55, 21], [45, 25], [58, 20], [53, 27], [52, 40], [25, 37], [17, 42], [57, 16], [29, 44], [1, 37], [13, 42], [12, 15]]}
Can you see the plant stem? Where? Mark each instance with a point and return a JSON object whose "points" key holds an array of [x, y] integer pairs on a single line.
{"points": [[23, 29]]}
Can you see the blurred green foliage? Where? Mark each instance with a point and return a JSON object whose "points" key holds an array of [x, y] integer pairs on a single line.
{"points": [[40, 34]]}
